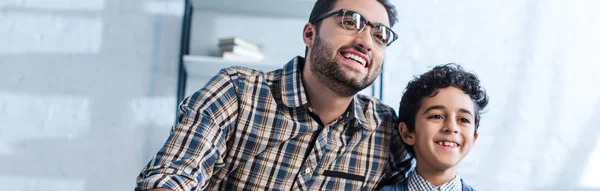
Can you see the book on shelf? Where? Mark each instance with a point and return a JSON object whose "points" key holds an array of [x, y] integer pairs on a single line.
{"points": [[239, 50], [239, 58], [243, 52], [231, 41]]}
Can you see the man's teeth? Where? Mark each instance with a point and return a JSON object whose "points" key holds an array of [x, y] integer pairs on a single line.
{"points": [[447, 143], [356, 58]]}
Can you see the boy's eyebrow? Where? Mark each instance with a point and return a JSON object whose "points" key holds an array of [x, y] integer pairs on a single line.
{"points": [[441, 107], [434, 107], [465, 111]]}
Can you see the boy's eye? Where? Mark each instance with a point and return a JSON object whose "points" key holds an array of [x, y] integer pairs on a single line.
{"points": [[436, 117], [465, 120]]}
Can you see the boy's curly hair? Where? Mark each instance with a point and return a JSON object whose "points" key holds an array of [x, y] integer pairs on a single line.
{"points": [[429, 83]]}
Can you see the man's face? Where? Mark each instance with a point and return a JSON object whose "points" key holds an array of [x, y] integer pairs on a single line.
{"points": [[347, 62], [444, 129]]}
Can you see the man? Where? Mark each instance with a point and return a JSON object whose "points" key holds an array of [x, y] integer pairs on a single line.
{"points": [[301, 127]]}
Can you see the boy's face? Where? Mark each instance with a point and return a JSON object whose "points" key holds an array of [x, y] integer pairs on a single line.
{"points": [[444, 129]]}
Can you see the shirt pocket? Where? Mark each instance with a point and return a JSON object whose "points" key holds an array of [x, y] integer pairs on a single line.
{"points": [[343, 175]]}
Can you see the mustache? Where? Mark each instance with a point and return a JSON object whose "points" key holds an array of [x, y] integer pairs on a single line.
{"points": [[359, 49]]}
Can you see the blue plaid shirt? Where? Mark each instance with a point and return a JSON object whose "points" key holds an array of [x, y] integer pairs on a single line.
{"points": [[248, 130], [417, 183]]}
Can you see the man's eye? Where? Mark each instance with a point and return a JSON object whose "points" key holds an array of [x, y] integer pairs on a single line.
{"points": [[349, 24], [379, 37]]}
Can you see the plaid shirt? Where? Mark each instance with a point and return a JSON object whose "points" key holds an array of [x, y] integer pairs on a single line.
{"points": [[417, 183], [248, 130]]}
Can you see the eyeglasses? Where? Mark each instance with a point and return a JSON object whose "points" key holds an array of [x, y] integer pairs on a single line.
{"points": [[356, 23]]}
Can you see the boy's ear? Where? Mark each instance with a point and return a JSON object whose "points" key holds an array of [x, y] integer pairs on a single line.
{"points": [[407, 136], [308, 35]]}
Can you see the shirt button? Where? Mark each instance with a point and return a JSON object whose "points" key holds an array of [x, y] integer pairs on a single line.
{"points": [[308, 170]]}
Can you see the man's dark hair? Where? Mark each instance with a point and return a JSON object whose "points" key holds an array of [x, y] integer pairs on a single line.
{"points": [[429, 83], [323, 7]]}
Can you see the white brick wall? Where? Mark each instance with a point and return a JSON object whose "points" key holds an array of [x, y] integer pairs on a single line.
{"points": [[87, 91], [87, 5], [22, 33]]}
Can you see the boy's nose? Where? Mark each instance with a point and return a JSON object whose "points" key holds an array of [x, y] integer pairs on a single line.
{"points": [[450, 127]]}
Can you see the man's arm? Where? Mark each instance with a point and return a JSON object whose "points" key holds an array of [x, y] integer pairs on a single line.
{"points": [[198, 140], [400, 161]]}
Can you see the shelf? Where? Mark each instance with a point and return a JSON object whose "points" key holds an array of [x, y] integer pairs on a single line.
{"points": [[273, 8], [209, 66]]}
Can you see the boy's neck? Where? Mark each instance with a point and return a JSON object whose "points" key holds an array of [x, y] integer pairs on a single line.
{"points": [[434, 176]]}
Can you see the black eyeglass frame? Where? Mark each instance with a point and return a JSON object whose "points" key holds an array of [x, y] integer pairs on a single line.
{"points": [[344, 11]]}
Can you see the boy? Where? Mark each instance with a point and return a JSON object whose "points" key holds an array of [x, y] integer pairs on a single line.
{"points": [[439, 117]]}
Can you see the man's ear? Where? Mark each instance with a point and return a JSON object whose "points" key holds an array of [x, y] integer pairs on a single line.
{"points": [[308, 35], [407, 136]]}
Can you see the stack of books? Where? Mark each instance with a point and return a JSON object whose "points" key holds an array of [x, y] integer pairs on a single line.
{"points": [[234, 48]]}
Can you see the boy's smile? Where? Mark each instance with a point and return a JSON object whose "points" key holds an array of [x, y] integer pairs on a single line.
{"points": [[444, 130], [448, 144]]}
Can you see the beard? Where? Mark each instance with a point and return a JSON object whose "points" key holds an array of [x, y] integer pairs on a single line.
{"points": [[328, 72]]}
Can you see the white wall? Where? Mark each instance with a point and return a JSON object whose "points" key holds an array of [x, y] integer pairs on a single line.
{"points": [[87, 87], [539, 63], [87, 91]]}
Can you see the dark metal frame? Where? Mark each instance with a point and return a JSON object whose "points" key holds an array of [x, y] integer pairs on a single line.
{"points": [[184, 49], [342, 12]]}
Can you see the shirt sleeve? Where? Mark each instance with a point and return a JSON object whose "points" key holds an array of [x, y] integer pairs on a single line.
{"points": [[401, 161], [196, 146]]}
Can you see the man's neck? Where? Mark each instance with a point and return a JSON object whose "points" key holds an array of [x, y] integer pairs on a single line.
{"points": [[436, 177], [328, 104]]}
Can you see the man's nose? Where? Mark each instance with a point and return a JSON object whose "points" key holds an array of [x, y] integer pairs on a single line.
{"points": [[365, 39]]}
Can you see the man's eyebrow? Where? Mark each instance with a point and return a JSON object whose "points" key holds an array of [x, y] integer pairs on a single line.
{"points": [[378, 23]]}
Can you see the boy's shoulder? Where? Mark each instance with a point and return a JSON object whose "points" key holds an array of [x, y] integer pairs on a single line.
{"points": [[403, 186], [465, 186], [398, 186]]}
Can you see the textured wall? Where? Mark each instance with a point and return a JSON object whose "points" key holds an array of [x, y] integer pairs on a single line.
{"points": [[87, 91]]}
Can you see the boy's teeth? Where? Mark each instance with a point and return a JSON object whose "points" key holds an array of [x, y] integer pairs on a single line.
{"points": [[447, 143], [356, 58]]}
